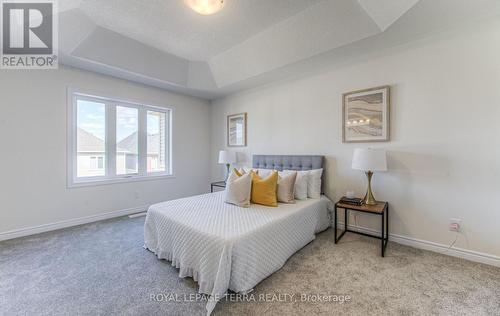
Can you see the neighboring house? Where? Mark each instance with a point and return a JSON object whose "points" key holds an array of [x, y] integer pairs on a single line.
{"points": [[91, 158], [126, 155]]}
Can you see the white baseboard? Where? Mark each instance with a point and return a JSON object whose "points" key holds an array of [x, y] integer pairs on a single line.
{"points": [[413, 242], [68, 223], [137, 215], [432, 246]]}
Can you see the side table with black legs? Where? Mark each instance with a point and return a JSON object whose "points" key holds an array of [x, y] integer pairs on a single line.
{"points": [[381, 209], [218, 184]]}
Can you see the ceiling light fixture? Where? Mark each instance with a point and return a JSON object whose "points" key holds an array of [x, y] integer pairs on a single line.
{"points": [[205, 7]]}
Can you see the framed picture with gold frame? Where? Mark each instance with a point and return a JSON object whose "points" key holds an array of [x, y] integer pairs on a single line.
{"points": [[365, 115], [237, 130]]}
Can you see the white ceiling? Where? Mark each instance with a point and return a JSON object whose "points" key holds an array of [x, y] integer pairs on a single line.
{"points": [[249, 42], [171, 26], [386, 12]]}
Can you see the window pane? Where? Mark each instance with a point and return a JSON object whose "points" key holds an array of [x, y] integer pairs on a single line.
{"points": [[91, 138], [127, 140], [156, 145]]}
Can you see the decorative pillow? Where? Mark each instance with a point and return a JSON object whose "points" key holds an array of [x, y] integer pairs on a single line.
{"points": [[238, 189], [314, 184], [264, 190], [248, 170], [300, 184], [239, 172], [286, 187], [263, 173]]}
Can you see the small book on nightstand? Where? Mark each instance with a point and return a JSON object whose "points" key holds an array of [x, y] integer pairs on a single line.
{"points": [[352, 201]]}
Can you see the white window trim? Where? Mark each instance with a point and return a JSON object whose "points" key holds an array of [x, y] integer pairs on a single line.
{"points": [[74, 182]]}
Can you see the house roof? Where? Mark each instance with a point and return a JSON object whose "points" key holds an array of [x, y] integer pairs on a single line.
{"points": [[129, 144], [88, 142]]}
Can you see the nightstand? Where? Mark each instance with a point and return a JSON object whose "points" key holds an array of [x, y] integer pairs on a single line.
{"points": [[218, 184], [380, 209]]}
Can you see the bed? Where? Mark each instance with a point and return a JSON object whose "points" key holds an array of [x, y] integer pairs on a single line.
{"points": [[225, 247]]}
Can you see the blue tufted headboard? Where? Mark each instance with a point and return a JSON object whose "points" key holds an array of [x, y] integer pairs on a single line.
{"points": [[287, 162], [290, 162]]}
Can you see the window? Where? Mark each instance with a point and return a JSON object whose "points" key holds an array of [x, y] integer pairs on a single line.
{"points": [[95, 164], [127, 140], [91, 138], [114, 141], [156, 141]]}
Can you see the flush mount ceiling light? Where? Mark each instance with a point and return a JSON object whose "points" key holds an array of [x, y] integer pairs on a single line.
{"points": [[205, 7]]}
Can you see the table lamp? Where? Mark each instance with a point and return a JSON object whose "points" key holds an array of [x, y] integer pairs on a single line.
{"points": [[369, 160], [227, 157]]}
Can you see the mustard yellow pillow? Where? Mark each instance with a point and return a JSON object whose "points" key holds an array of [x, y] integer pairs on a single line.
{"points": [[264, 190], [239, 173]]}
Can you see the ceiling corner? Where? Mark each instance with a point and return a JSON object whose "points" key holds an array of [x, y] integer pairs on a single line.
{"points": [[385, 12]]}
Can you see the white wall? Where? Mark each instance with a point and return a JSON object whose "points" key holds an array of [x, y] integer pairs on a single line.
{"points": [[444, 154], [33, 149]]}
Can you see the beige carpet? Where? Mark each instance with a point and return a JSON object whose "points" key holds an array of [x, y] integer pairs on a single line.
{"points": [[101, 269], [407, 281]]}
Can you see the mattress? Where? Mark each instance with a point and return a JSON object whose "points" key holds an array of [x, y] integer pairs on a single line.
{"points": [[226, 247]]}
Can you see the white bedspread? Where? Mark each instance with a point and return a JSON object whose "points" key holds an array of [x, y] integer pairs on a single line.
{"points": [[223, 246]]}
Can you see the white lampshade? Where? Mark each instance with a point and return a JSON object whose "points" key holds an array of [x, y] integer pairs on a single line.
{"points": [[227, 157], [369, 159]]}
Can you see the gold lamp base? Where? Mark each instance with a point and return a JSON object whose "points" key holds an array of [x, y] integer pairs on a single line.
{"points": [[369, 199]]}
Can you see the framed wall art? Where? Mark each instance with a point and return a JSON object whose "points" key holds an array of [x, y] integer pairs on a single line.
{"points": [[237, 130], [366, 115]]}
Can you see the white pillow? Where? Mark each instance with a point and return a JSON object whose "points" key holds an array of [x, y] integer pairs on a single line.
{"points": [[264, 173], [248, 170], [286, 187], [300, 184], [314, 183], [238, 189]]}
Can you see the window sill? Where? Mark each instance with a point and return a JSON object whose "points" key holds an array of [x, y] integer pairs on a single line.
{"points": [[94, 182]]}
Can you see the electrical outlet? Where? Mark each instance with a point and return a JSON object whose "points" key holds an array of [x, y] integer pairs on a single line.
{"points": [[455, 225]]}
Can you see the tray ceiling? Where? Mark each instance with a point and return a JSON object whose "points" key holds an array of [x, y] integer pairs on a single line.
{"points": [[249, 42]]}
